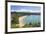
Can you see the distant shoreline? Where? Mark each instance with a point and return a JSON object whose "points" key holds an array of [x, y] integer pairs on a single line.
{"points": [[25, 13]]}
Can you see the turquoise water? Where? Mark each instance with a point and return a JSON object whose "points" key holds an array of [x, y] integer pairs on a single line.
{"points": [[32, 19]]}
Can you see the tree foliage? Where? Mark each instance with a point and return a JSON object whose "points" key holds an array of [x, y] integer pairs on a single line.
{"points": [[15, 19]]}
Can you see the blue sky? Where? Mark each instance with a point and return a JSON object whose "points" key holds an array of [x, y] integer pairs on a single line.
{"points": [[18, 7]]}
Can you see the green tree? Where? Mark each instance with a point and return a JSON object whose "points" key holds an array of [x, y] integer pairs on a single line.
{"points": [[15, 19]]}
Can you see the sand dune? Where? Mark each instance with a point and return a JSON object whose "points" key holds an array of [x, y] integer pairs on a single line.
{"points": [[21, 21]]}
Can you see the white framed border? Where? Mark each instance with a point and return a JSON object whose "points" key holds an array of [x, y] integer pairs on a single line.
{"points": [[23, 29]]}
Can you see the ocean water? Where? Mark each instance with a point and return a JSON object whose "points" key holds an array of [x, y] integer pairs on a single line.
{"points": [[32, 19]]}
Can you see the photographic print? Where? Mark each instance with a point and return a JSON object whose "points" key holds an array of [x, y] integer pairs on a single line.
{"points": [[24, 16]]}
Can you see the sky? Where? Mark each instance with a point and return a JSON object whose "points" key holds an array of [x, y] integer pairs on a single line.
{"points": [[26, 8]]}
